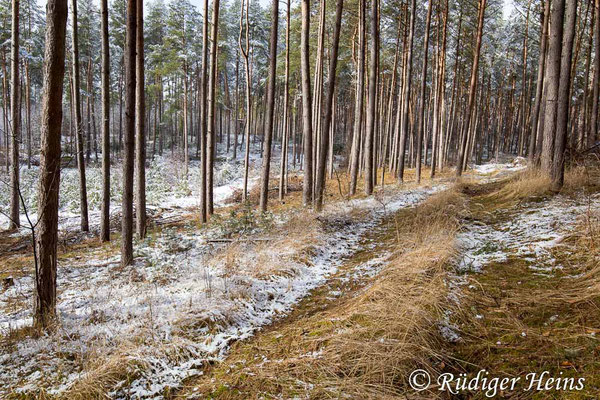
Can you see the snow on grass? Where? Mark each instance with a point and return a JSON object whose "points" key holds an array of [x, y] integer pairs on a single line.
{"points": [[175, 308], [530, 234]]}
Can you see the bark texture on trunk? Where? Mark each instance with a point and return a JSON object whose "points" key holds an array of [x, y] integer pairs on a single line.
{"points": [[46, 241]]}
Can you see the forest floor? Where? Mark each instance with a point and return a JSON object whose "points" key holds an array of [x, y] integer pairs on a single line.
{"points": [[492, 273]]}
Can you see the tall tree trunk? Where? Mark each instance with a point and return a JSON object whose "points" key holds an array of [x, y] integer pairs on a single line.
{"points": [[307, 193], [593, 132], [140, 128], [540, 82], [78, 124], [463, 151], [14, 115], [320, 185], [203, 117], [564, 103], [105, 207], [46, 240], [286, 97], [421, 122], [268, 134], [406, 95], [129, 134], [245, 49], [358, 106], [212, 84], [553, 80], [370, 133]]}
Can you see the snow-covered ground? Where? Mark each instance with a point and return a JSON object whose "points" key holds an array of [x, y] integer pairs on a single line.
{"points": [[529, 234]]}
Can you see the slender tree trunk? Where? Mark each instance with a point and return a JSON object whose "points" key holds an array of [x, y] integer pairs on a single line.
{"points": [[14, 103], [46, 238], [320, 185], [129, 134], [284, 139], [406, 89], [553, 81], [564, 103], [358, 106], [268, 134], [140, 128], [203, 118], [78, 124], [463, 151], [593, 132], [540, 82], [307, 193], [370, 133], [212, 83], [245, 49], [105, 206], [420, 128]]}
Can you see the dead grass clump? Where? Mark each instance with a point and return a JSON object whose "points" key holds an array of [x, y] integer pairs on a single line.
{"points": [[102, 375], [530, 183]]}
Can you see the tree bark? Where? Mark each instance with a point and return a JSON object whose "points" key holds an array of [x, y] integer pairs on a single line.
{"points": [[140, 128], [358, 106], [320, 185], [14, 115], [307, 192], [421, 122], [463, 151], [540, 83], [129, 134], [564, 90], [371, 108], [212, 83], [105, 206], [46, 241], [553, 81], [406, 95], [78, 124], [593, 132]]}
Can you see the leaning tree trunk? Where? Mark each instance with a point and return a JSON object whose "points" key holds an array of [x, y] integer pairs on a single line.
{"points": [[51, 124], [307, 193], [564, 90], [83, 204], [140, 134], [129, 135], [105, 207], [320, 184], [14, 111], [553, 80]]}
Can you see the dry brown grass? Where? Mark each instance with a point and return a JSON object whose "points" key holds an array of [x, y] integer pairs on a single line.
{"points": [[366, 344], [526, 184]]}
